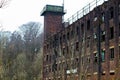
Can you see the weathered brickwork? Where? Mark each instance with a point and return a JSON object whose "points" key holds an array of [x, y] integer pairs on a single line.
{"points": [[71, 53]]}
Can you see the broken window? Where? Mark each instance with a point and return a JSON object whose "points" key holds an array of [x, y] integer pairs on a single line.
{"points": [[103, 55], [82, 28], [82, 60], [59, 78], [67, 50], [64, 38], [77, 62], [72, 33], [56, 53], [95, 57], [111, 32], [111, 53], [77, 30], [88, 41], [103, 17], [60, 40], [68, 35], [95, 36], [63, 65], [112, 73], [88, 59], [95, 19], [59, 66], [47, 57], [54, 67], [88, 24], [50, 59], [49, 68], [77, 46], [103, 36], [111, 12], [63, 52], [53, 43], [56, 42]]}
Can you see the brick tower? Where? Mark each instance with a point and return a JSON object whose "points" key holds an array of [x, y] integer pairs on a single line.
{"points": [[52, 19], [52, 24]]}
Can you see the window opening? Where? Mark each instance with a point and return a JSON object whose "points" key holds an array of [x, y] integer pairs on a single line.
{"points": [[82, 28], [111, 12], [63, 51], [103, 36], [88, 25], [47, 58], [88, 59], [95, 57], [111, 53], [103, 55], [103, 17], [72, 33], [77, 46], [77, 30], [68, 36], [111, 32]]}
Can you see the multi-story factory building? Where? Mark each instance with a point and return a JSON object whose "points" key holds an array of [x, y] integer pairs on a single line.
{"points": [[86, 46]]}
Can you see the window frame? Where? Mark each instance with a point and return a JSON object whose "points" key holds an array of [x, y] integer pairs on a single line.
{"points": [[112, 56]]}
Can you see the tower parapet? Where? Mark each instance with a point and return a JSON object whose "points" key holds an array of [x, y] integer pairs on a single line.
{"points": [[52, 19]]}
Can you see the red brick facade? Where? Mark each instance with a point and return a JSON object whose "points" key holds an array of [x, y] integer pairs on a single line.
{"points": [[71, 53]]}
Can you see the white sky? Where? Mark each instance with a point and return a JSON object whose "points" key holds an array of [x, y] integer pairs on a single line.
{"points": [[20, 12]]}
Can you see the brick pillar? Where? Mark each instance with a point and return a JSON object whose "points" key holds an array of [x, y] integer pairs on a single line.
{"points": [[116, 40], [107, 69]]}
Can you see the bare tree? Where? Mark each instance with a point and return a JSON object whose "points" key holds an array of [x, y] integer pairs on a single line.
{"points": [[21, 51], [4, 3], [31, 36]]}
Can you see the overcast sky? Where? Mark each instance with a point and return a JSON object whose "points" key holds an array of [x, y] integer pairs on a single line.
{"points": [[19, 12]]}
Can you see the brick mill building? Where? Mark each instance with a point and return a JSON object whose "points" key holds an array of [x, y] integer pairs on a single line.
{"points": [[86, 46]]}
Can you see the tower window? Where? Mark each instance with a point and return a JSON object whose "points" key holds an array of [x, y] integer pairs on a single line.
{"points": [[111, 53]]}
